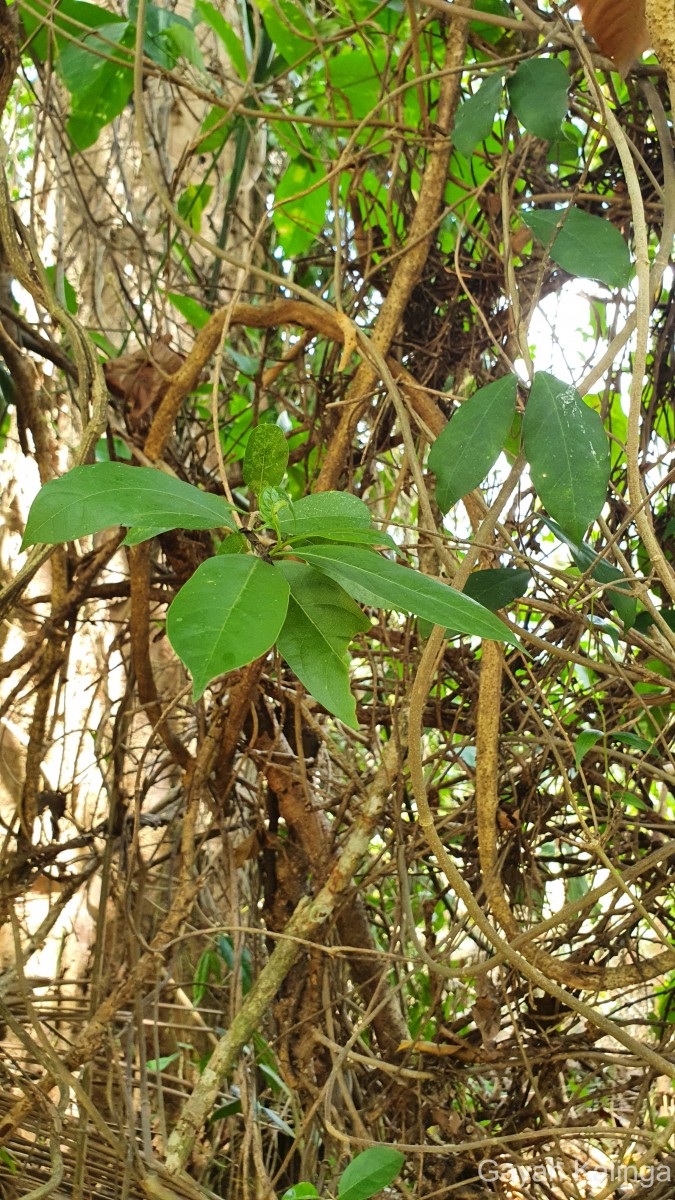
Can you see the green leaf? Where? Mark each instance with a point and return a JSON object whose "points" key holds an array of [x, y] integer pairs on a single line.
{"points": [[46, 22], [185, 45], [320, 623], [490, 33], [369, 1172], [355, 80], [209, 964], [576, 888], [568, 452], [230, 1109], [274, 1119], [349, 536], [191, 309], [307, 517], [282, 18], [300, 204], [645, 620], [585, 742], [266, 457], [226, 948], [586, 246], [121, 450], [214, 131], [494, 589], [332, 517], [227, 614], [8, 1161], [497, 587], [103, 343], [469, 445], [273, 1078], [270, 501], [634, 741], [247, 363], [157, 26], [476, 116], [586, 559], [69, 293], [99, 88], [160, 1064], [300, 1191], [538, 96], [374, 580], [88, 499], [235, 51], [193, 200]]}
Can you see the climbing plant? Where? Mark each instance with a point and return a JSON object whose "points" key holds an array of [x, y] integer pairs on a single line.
{"points": [[336, 423]]}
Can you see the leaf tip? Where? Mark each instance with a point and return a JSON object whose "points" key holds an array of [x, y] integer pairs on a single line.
{"points": [[351, 722]]}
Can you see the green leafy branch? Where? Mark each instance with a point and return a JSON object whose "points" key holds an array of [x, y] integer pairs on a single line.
{"points": [[365, 1176], [295, 578]]}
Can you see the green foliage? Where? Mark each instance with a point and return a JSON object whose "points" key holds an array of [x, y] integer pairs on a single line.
{"points": [[320, 623], [584, 245], [325, 510], [324, 153], [538, 96], [120, 450], [288, 27], [490, 33], [209, 966], [497, 587], [227, 614], [226, 950], [266, 458], [369, 1172], [475, 117], [366, 1175], [568, 453], [96, 65], [233, 543], [148, 502], [195, 314], [160, 1064], [355, 81], [182, 42], [645, 620], [563, 440], [237, 605], [99, 88], [8, 1161], [588, 738], [300, 206], [585, 742], [378, 581], [45, 21], [664, 1001], [192, 202], [586, 559], [469, 445], [215, 19], [69, 297]]}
